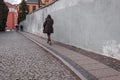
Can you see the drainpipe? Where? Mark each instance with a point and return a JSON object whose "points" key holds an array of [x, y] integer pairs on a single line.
{"points": [[39, 3]]}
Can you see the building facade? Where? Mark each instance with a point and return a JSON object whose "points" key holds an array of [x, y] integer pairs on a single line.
{"points": [[35, 4], [12, 17]]}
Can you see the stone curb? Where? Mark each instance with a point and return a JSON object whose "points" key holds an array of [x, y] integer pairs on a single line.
{"points": [[60, 58]]}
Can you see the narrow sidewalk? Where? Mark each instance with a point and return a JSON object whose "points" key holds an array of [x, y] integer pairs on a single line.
{"points": [[89, 68]]}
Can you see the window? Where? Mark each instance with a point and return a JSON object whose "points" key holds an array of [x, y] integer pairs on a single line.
{"points": [[46, 0], [28, 7], [34, 8]]}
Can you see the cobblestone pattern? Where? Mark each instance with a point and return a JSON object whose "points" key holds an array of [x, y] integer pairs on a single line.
{"points": [[20, 59]]}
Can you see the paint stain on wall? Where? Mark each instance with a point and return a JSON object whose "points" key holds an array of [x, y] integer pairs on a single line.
{"points": [[111, 48]]}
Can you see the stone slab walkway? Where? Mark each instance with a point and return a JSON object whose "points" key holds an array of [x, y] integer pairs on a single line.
{"points": [[88, 67]]}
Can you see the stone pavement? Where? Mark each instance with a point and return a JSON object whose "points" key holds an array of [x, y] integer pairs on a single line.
{"points": [[21, 59], [85, 67]]}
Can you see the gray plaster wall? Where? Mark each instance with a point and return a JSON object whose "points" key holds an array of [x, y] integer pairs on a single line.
{"points": [[92, 25]]}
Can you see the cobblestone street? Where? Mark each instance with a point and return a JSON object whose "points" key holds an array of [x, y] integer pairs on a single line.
{"points": [[21, 59]]}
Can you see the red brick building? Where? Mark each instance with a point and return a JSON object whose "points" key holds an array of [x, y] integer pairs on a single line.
{"points": [[33, 4], [12, 16], [45, 2]]}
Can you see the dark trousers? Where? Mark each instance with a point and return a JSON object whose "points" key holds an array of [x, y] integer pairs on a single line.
{"points": [[49, 38]]}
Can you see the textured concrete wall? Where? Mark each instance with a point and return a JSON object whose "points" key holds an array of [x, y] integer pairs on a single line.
{"points": [[89, 24]]}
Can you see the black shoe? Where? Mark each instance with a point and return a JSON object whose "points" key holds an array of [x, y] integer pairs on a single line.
{"points": [[50, 43]]}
